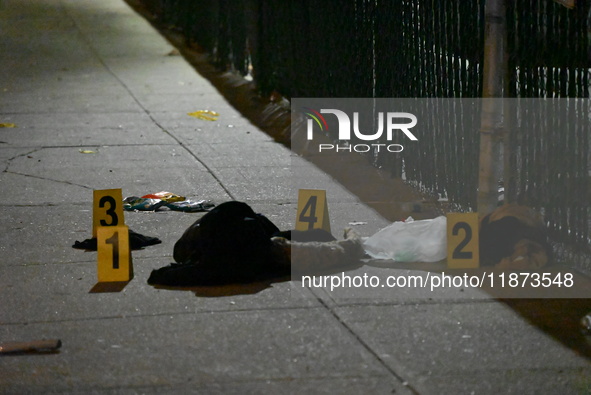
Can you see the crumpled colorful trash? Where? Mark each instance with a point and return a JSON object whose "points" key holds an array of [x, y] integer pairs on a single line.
{"points": [[155, 201], [168, 197], [191, 206], [134, 203]]}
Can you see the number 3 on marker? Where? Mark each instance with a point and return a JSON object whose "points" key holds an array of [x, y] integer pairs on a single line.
{"points": [[462, 241], [107, 209], [110, 212]]}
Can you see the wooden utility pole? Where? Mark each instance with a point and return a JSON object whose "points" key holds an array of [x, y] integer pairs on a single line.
{"points": [[491, 122]]}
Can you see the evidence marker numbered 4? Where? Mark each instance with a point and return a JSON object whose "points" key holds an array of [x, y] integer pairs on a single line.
{"points": [[312, 210]]}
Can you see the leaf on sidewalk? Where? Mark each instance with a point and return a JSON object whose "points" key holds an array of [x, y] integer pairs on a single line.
{"points": [[206, 115]]}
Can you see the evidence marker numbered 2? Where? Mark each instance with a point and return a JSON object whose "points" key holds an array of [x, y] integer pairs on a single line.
{"points": [[462, 241]]}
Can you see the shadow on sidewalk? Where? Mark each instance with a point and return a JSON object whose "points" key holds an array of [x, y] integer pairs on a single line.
{"points": [[559, 317], [228, 289]]}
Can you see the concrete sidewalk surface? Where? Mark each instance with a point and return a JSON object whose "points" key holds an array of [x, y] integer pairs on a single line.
{"points": [[99, 101]]}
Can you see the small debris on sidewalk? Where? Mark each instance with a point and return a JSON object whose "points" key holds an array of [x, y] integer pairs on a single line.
{"points": [[7, 125], [39, 346], [206, 115], [87, 151]]}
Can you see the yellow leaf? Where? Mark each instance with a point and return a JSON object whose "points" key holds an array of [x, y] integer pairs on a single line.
{"points": [[206, 115], [87, 151], [7, 125]]}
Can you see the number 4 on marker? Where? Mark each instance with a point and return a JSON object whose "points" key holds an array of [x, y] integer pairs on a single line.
{"points": [[312, 210], [308, 213]]}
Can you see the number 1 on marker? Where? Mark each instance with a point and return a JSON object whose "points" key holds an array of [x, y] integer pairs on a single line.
{"points": [[114, 257], [114, 241]]}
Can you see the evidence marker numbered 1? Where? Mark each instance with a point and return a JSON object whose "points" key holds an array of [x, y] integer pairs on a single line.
{"points": [[312, 210], [114, 255], [462, 241]]}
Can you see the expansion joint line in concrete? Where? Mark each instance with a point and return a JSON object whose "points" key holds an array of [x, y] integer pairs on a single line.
{"points": [[366, 346], [155, 315]]}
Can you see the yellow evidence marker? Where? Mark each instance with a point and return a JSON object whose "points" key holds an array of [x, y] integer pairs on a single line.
{"points": [[114, 255], [312, 210], [107, 209], [462, 241]]}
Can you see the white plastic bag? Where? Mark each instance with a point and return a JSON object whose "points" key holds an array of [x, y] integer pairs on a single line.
{"points": [[410, 241]]}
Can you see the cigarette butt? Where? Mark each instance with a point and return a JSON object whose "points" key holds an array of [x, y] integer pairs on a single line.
{"points": [[36, 345]]}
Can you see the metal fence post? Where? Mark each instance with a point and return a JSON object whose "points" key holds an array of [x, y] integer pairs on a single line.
{"points": [[491, 123]]}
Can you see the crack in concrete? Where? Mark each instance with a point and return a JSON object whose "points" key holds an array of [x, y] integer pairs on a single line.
{"points": [[163, 314], [369, 348], [48, 179], [10, 160]]}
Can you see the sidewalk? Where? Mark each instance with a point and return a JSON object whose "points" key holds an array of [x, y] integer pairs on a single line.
{"points": [[83, 75]]}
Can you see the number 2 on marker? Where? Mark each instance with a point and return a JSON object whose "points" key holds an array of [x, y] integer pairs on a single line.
{"points": [[462, 240], [458, 253]]}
